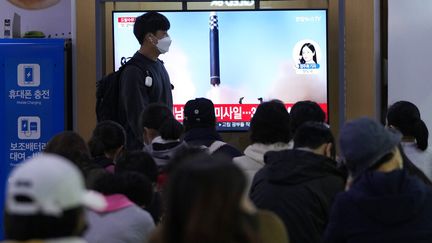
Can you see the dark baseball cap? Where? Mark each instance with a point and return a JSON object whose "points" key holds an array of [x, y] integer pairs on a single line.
{"points": [[199, 112]]}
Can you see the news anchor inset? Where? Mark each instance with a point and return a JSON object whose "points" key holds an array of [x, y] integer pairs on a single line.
{"points": [[307, 53]]}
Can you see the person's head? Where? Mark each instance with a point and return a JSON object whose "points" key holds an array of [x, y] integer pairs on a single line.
{"points": [[151, 29], [203, 201], [270, 123], [316, 136], [304, 111], [71, 146], [137, 161], [158, 120], [308, 54], [45, 197], [405, 117], [367, 146], [136, 186], [199, 113], [108, 139]]}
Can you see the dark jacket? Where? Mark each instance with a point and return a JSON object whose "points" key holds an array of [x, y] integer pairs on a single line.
{"points": [[382, 207], [299, 186], [205, 137], [135, 95]]}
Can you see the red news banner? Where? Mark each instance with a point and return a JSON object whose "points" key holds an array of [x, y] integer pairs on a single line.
{"points": [[234, 112]]}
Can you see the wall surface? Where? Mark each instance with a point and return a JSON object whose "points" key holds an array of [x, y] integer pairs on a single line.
{"points": [[55, 20], [362, 54], [409, 65]]}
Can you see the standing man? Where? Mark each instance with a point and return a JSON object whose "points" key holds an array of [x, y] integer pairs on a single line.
{"points": [[145, 80]]}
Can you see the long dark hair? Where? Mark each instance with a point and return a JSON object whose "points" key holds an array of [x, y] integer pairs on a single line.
{"points": [[160, 118], [203, 203], [405, 116], [270, 123], [71, 146], [312, 48]]}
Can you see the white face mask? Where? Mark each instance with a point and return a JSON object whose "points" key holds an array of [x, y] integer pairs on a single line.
{"points": [[164, 44]]}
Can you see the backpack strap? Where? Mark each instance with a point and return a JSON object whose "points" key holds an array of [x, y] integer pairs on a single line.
{"points": [[148, 77]]}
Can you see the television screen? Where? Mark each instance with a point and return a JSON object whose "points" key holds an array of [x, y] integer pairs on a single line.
{"points": [[238, 58]]}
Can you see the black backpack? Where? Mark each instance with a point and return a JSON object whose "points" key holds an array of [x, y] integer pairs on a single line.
{"points": [[107, 93]]}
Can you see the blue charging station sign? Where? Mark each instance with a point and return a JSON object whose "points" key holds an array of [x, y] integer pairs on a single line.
{"points": [[32, 74]]}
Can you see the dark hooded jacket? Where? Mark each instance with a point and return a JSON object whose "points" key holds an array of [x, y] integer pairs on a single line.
{"points": [[299, 186], [382, 207]]}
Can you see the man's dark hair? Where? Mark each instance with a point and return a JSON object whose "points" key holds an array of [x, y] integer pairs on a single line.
{"points": [[149, 22], [24, 227], [137, 161], [270, 123], [304, 111], [107, 137], [312, 135], [159, 117]]}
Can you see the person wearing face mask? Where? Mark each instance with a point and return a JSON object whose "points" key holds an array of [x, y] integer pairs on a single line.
{"points": [[146, 80]]}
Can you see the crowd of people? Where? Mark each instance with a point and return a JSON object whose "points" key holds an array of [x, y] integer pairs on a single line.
{"points": [[149, 178], [289, 184]]}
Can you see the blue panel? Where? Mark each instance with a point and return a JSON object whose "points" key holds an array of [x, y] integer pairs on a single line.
{"points": [[32, 102]]}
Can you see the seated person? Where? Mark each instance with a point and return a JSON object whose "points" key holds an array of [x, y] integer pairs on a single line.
{"points": [[141, 162], [123, 220], [269, 131], [72, 146], [206, 203], [383, 202], [106, 143], [45, 200], [299, 185], [161, 134], [200, 128], [405, 117], [304, 111]]}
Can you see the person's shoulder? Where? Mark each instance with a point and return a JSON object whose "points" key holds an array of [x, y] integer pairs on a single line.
{"points": [[139, 216], [230, 150], [131, 71], [259, 180], [241, 161]]}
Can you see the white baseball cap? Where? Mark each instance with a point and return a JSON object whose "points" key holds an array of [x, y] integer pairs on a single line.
{"points": [[48, 184]]}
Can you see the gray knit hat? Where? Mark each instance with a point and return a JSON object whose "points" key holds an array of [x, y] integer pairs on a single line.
{"points": [[363, 142]]}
